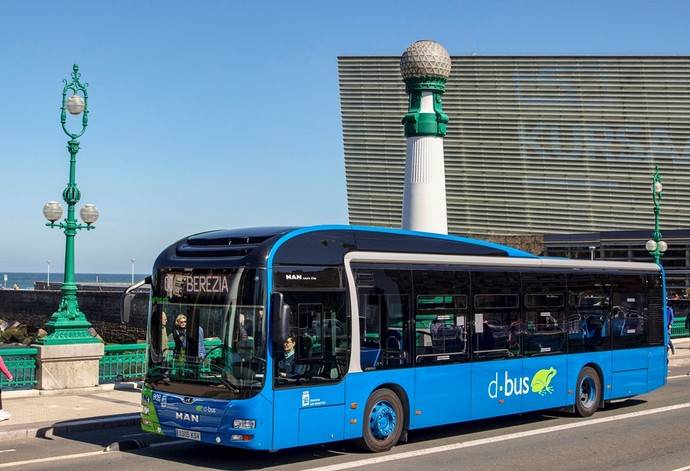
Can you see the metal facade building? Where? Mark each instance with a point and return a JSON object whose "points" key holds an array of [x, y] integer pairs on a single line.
{"points": [[535, 144]]}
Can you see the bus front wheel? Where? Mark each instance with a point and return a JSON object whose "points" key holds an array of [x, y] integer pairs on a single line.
{"points": [[588, 392], [384, 420]]}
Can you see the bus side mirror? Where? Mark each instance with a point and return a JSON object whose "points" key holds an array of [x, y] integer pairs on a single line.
{"points": [[128, 297], [280, 318]]}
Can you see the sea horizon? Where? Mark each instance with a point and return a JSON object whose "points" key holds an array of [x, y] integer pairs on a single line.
{"points": [[26, 280]]}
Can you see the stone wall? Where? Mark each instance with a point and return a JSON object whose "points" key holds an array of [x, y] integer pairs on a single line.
{"points": [[533, 243], [102, 309]]}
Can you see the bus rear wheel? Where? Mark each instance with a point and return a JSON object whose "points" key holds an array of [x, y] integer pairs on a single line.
{"points": [[587, 392], [384, 419]]}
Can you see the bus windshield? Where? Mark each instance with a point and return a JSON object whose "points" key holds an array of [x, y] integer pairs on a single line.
{"points": [[207, 332]]}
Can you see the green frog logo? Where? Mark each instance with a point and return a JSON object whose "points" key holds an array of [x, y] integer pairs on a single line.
{"points": [[541, 381]]}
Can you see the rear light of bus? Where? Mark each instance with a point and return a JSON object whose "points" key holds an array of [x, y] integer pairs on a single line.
{"points": [[241, 438], [244, 424]]}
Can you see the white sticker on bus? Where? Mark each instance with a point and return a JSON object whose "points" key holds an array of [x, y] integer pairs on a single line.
{"points": [[479, 323]]}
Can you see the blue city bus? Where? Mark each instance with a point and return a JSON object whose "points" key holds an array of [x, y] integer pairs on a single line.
{"points": [[270, 338]]}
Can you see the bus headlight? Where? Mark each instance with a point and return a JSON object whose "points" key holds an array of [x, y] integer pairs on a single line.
{"points": [[244, 424], [145, 410]]}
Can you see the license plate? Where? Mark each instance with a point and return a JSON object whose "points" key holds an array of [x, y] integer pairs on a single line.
{"points": [[188, 434]]}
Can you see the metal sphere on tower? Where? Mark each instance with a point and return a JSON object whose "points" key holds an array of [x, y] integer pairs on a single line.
{"points": [[425, 58]]}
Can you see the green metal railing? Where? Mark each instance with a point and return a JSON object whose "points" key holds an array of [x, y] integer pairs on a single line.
{"points": [[678, 328], [22, 364], [126, 362]]}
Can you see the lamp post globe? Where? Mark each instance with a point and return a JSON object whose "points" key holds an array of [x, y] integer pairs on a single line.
{"points": [[75, 105], [52, 211], [656, 246], [89, 213]]}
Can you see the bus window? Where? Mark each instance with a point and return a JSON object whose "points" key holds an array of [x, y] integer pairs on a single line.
{"points": [[545, 317], [316, 350], [589, 308], [440, 312], [628, 312], [309, 335], [497, 325], [384, 304]]}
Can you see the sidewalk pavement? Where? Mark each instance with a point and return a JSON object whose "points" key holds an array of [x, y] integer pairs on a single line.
{"points": [[44, 413], [682, 356]]}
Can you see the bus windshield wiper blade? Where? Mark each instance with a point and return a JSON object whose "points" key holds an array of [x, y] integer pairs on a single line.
{"points": [[159, 376], [228, 384]]}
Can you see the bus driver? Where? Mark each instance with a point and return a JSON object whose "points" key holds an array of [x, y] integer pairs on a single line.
{"points": [[286, 365]]}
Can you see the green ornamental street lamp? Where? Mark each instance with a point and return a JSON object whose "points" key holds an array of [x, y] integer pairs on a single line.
{"points": [[68, 324], [655, 246]]}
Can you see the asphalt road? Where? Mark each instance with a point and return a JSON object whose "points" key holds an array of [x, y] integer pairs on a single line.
{"points": [[647, 432]]}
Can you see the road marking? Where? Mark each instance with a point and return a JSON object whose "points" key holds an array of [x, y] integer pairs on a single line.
{"points": [[404, 455], [8, 451], [500, 438], [676, 377], [52, 458]]}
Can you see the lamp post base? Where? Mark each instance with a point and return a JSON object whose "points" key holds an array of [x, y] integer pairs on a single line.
{"points": [[68, 326], [68, 366]]}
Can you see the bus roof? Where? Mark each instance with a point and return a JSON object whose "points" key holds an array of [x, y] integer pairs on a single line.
{"points": [[253, 246], [328, 245]]}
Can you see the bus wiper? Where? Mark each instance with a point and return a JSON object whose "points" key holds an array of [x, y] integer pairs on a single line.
{"points": [[228, 384], [163, 375]]}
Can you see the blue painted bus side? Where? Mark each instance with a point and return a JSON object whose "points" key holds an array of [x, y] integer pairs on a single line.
{"points": [[434, 395]]}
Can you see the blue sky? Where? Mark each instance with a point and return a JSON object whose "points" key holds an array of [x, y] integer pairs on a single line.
{"points": [[221, 114]]}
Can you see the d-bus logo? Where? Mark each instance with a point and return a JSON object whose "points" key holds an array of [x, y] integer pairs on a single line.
{"points": [[187, 417], [540, 384]]}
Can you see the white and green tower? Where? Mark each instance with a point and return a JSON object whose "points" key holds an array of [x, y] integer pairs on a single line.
{"points": [[425, 67]]}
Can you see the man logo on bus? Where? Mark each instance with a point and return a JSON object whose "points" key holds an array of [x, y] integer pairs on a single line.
{"points": [[187, 417], [541, 384]]}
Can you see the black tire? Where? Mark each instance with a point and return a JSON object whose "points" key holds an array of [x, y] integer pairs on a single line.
{"points": [[587, 392], [388, 406]]}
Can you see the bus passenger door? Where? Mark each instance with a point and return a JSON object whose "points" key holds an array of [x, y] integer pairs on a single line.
{"points": [[309, 369], [442, 348], [497, 380], [544, 337]]}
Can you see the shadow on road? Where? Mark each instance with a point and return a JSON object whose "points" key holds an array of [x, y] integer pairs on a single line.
{"points": [[222, 458]]}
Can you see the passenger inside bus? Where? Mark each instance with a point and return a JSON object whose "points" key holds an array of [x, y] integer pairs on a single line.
{"points": [[180, 334], [164, 332], [445, 337]]}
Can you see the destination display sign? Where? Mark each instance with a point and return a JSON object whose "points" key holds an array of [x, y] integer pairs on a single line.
{"points": [[206, 284], [190, 284]]}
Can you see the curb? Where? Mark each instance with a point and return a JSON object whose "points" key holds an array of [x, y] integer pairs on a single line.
{"points": [[47, 429], [24, 393]]}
